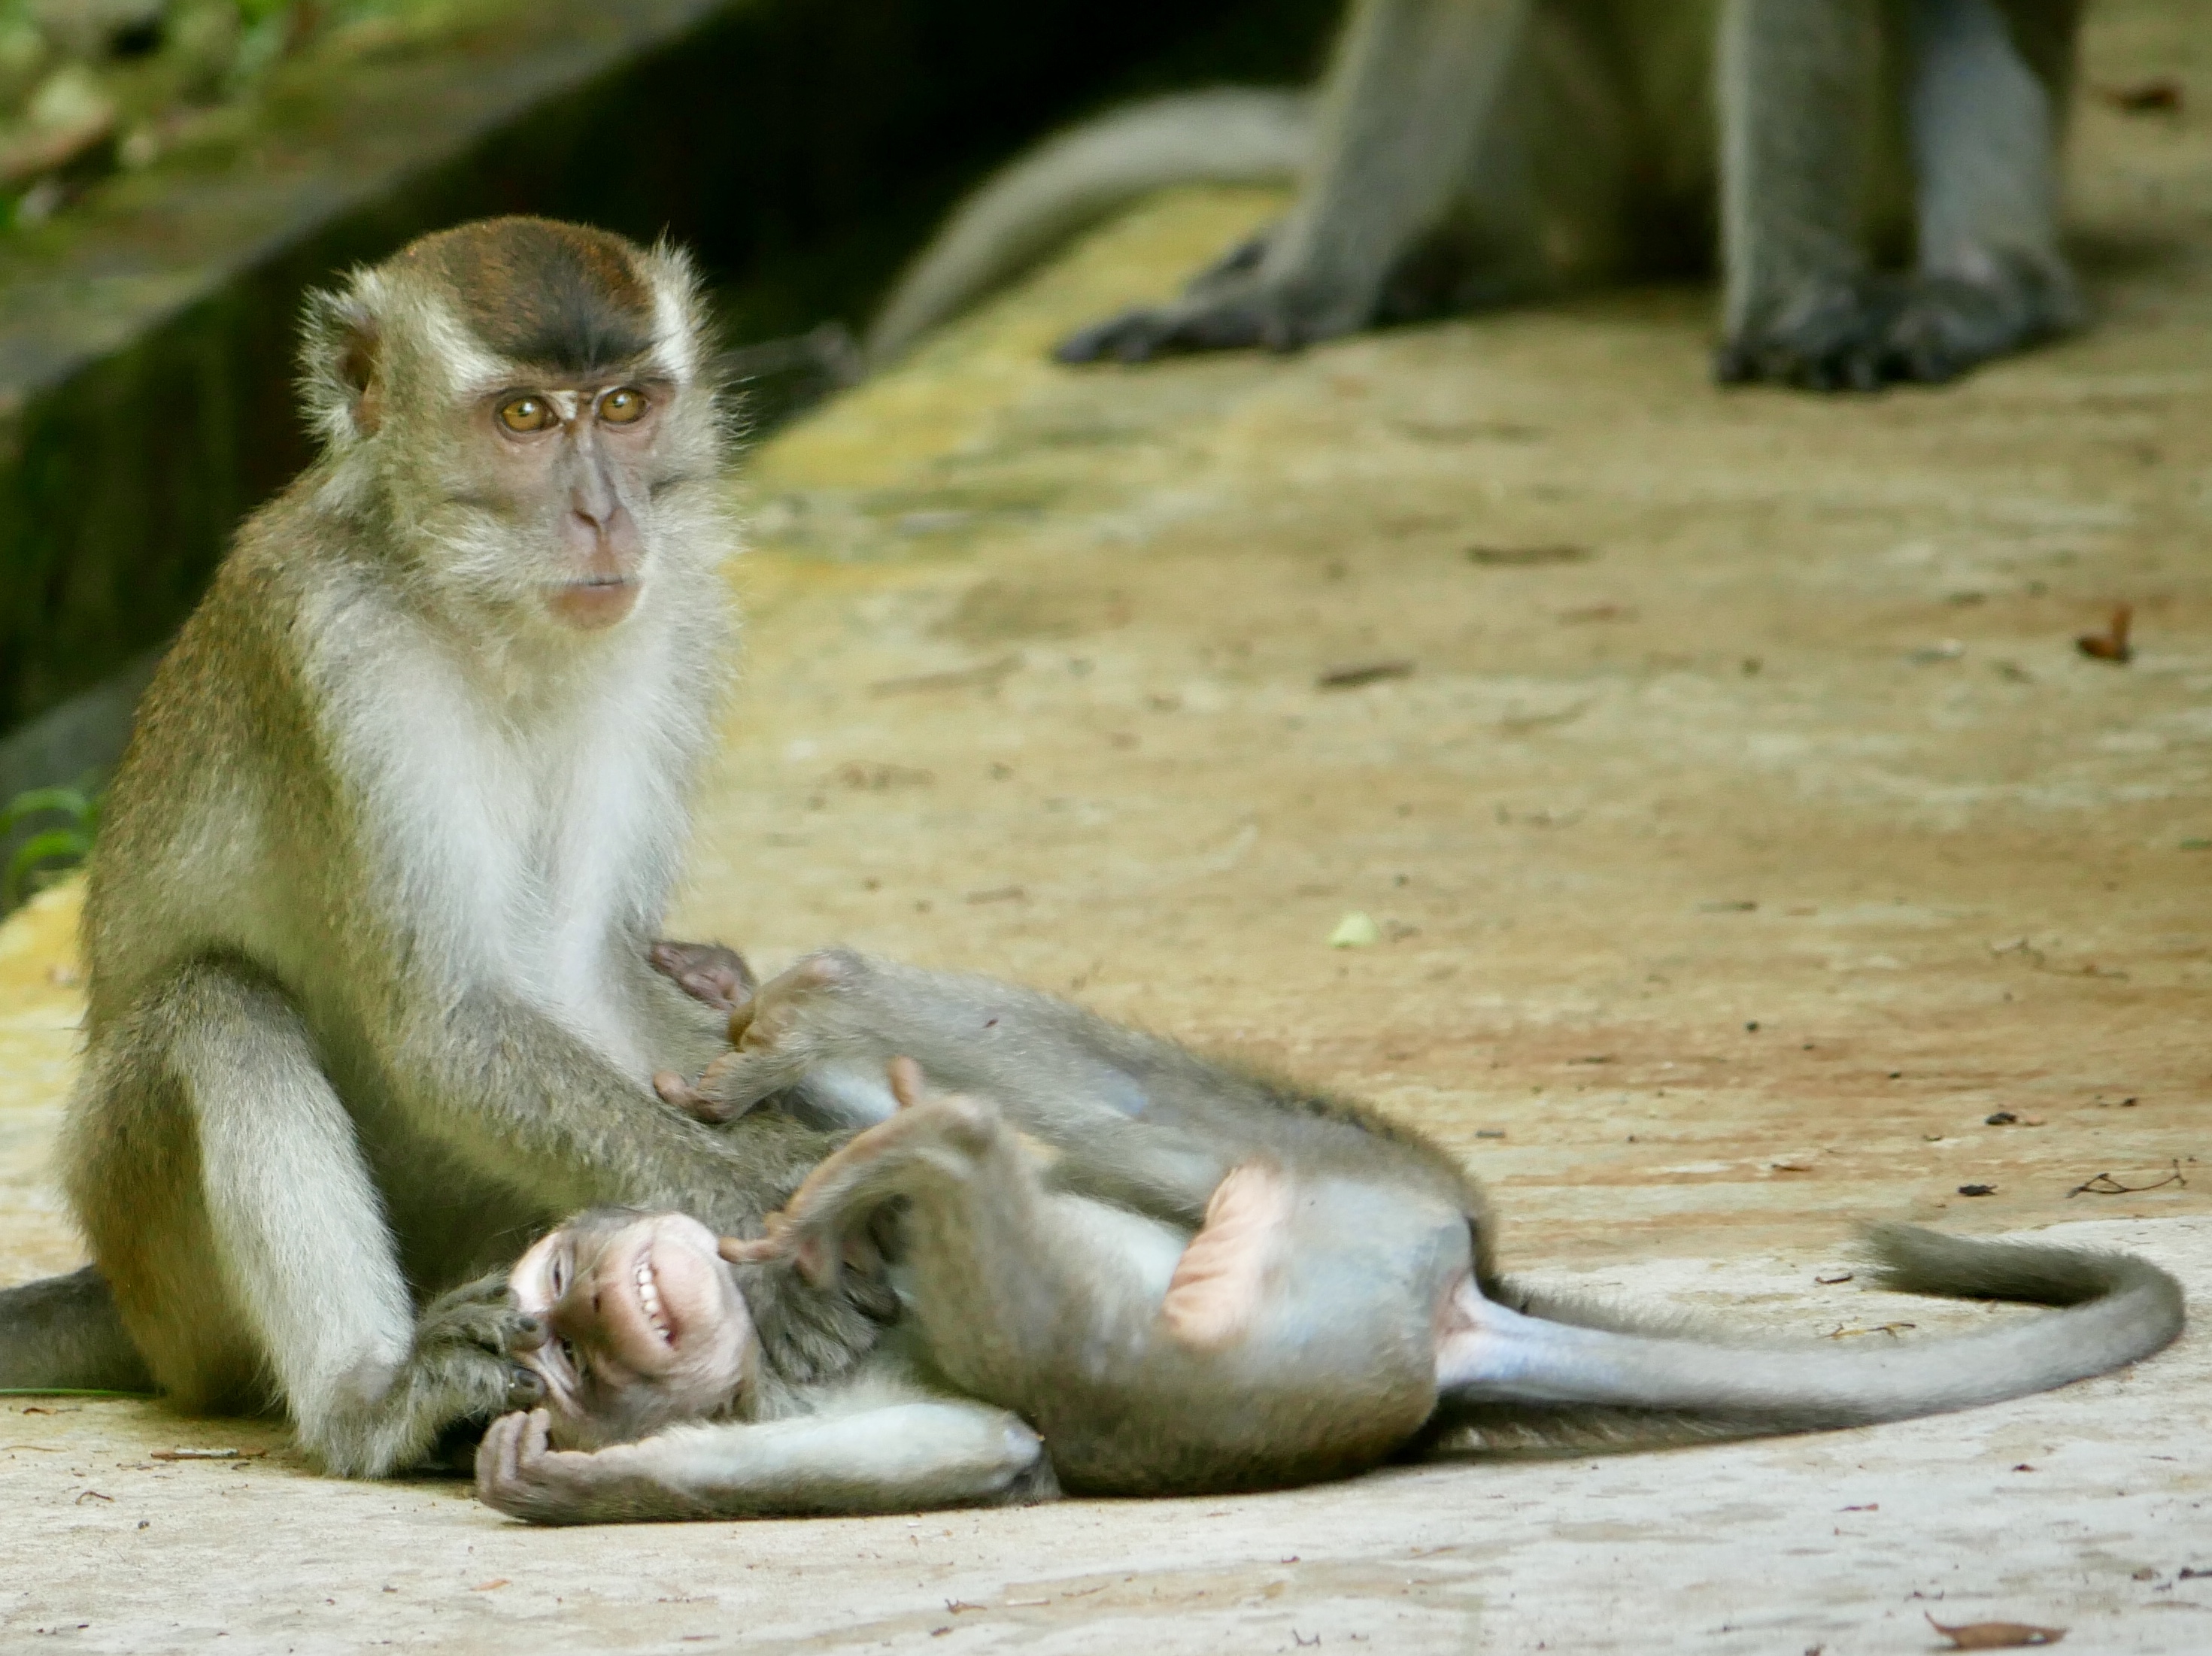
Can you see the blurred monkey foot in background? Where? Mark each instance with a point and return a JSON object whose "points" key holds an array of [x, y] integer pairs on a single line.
{"points": [[1881, 178]]}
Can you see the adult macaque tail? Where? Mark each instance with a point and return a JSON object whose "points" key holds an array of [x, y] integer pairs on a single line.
{"points": [[2118, 1309], [1029, 209], [63, 1334]]}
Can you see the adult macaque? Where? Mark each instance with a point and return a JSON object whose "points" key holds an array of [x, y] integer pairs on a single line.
{"points": [[369, 1002], [1465, 152], [1185, 1276]]}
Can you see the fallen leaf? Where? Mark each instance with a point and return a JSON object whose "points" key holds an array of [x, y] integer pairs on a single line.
{"points": [[2112, 645], [1978, 1190], [2159, 95], [1526, 557], [1995, 1636], [1355, 931], [496, 1582], [1364, 672]]}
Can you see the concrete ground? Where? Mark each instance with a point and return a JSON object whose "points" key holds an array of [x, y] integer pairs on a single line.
{"points": [[1738, 828]]}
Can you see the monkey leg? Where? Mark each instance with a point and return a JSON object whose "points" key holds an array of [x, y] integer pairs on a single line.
{"points": [[1800, 92], [1006, 1272], [1984, 134], [227, 1201], [1411, 89], [822, 1033], [64, 1333], [1291, 1336]]}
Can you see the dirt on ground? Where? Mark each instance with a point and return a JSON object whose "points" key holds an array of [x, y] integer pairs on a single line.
{"points": [[1695, 807]]}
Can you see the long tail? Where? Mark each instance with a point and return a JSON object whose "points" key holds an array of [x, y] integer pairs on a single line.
{"points": [[63, 1334], [1228, 135], [2118, 1309]]}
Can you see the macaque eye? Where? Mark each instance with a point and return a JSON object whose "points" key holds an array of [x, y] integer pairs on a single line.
{"points": [[621, 407], [526, 413], [569, 1357]]}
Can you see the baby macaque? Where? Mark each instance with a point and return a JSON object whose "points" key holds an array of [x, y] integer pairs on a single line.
{"points": [[1184, 1277]]}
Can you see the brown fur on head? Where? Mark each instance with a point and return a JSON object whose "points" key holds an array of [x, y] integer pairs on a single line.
{"points": [[411, 368], [561, 299]]}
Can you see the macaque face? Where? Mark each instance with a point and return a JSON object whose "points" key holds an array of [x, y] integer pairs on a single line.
{"points": [[644, 1325], [574, 463]]}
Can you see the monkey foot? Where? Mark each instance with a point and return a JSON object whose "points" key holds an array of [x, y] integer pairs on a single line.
{"points": [[708, 972], [818, 1229], [769, 1033]]}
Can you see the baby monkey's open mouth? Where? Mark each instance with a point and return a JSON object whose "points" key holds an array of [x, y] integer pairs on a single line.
{"points": [[648, 1299]]}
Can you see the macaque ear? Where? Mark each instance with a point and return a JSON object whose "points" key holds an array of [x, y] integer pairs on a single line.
{"points": [[341, 380]]}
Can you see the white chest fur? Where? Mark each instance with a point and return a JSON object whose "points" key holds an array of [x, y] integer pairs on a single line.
{"points": [[532, 832]]}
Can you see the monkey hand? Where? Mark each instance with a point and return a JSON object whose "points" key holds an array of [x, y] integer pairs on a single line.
{"points": [[459, 1370], [470, 1336], [1232, 306], [519, 1473]]}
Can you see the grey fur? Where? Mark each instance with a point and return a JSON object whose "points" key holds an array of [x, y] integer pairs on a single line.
{"points": [[63, 1334], [1470, 151], [1046, 1285]]}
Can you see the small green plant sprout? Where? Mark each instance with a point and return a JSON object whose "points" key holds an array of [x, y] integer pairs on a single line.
{"points": [[72, 817]]}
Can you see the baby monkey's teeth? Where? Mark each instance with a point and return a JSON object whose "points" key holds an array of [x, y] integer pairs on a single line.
{"points": [[648, 1295]]}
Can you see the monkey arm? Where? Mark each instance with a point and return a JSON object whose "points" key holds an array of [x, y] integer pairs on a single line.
{"points": [[1110, 1103], [896, 1457], [1410, 88], [535, 1106]]}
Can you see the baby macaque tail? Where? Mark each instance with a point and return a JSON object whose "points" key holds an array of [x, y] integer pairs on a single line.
{"points": [[1229, 135], [63, 1334], [1493, 1362]]}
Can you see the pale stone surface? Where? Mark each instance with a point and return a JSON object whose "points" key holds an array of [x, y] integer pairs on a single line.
{"points": [[1797, 736]]}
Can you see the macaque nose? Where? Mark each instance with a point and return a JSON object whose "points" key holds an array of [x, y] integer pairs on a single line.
{"points": [[605, 521]]}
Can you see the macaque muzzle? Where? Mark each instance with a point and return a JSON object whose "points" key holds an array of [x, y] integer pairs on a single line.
{"points": [[642, 1324]]}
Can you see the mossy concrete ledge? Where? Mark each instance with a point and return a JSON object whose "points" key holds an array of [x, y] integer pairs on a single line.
{"points": [[139, 417]]}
